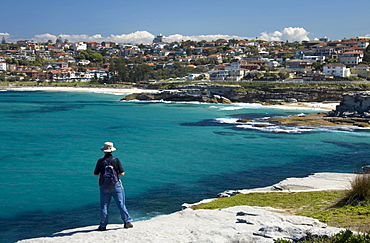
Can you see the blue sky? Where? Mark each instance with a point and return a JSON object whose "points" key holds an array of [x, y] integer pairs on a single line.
{"points": [[37, 19]]}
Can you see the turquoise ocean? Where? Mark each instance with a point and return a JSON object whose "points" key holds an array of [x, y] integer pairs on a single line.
{"points": [[173, 153]]}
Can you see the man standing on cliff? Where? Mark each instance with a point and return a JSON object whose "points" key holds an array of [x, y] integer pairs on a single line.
{"points": [[105, 166]]}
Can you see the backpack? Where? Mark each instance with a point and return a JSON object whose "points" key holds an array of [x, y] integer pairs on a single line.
{"points": [[110, 177]]}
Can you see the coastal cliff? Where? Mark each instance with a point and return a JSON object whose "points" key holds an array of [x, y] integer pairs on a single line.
{"points": [[213, 93]]}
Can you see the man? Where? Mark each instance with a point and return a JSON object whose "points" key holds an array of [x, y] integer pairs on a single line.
{"points": [[116, 191]]}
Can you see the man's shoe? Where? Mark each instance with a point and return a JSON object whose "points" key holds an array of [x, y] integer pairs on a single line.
{"points": [[101, 228], [127, 225]]}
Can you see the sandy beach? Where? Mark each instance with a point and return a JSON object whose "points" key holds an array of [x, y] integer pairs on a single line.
{"points": [[117, 91], [121, 91], [312, 105]]}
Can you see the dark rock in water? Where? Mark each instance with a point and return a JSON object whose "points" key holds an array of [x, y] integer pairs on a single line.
{"points": [[189, 94]]}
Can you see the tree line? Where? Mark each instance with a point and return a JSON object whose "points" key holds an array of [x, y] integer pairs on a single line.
{"points": [[124, 71]]}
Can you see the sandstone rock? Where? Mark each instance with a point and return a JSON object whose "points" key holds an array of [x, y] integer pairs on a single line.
{"points": [[235, 224], [354, 105]]}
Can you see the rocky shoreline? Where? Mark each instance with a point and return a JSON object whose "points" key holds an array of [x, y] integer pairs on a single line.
{"points": [[353, 110], [235, 224], [213, 93], [320, 119]]}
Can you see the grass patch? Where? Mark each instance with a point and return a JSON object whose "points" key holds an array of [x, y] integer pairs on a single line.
{"points": [[320, 205]]}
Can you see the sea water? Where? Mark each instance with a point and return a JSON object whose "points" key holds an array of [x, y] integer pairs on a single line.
{"points": [[172, 153]]}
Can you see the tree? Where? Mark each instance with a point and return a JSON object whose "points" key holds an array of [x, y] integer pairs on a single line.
{"points": [[3, 41], [366, 58], [318, 66], [264, 67], [91, 55], [283, 75]]}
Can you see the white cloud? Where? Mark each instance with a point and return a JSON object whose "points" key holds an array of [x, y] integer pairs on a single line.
{"points": [[137, 37], [178, 37], [4, 34], [288, 34], [45, 37]]}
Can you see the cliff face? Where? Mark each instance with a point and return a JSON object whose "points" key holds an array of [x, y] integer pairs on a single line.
{"points": [[235, 93], [354, 105]]}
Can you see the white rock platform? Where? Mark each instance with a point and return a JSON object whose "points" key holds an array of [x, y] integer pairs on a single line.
{"points": [[234, 224]]}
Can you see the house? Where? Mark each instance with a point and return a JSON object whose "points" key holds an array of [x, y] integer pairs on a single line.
{"points": [[34, 74], [237, 74], [313, 59], [351, 58], [361, 70], [92, 45], [128, 52], [299, 65], [3, 66], [363, 44], [193, 76], [231, 66], [218, 75], [108, 44], [325, 51], [336, 69], [79, 46], [216, 57], [83, 62]]}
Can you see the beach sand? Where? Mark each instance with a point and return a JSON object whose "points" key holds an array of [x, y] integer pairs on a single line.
{"points": [[329, 106], [117, 91], [125, 91]]}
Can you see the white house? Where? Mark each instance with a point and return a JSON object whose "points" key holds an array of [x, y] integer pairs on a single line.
{"points": [[193, 76], [363, 44], [314, 58], [3, 66], [218, 75], [83, 62], [79, 46], [337, 69]]}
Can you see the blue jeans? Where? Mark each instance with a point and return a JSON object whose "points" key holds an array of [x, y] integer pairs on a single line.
{"points": [[119, 196]]}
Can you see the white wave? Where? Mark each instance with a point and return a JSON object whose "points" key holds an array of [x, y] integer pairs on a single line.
{"points": [[227, 120], [274, 129], [230, 108], [265, 126], [164, 101], [237, 106], [262, 126]]}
